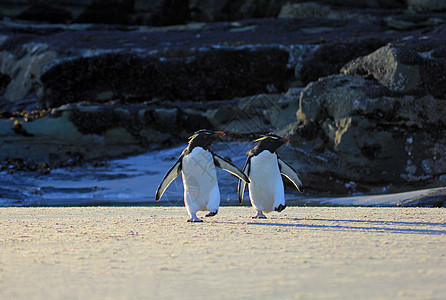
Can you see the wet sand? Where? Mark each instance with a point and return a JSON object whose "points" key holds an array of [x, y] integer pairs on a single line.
{"points": [[152, 252]]}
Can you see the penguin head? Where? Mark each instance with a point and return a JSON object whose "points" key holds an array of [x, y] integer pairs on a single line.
{"points": [[204, 138], [270, 142]]}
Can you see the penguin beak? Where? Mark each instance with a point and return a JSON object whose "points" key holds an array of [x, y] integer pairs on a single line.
{"points": [[219, 134], [285, 140]]}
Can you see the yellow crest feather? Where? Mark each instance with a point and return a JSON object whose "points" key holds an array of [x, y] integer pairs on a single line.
{"points": [[265, 137], [261, 138], [192, 137]]}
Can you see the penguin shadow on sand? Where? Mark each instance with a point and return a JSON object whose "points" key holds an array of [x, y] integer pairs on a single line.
{"points": [[197, 165], [362, 225]]}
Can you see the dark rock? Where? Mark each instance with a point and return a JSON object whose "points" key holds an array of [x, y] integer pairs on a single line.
{"points": [[367, 3], [386, 65], [374, 143], [108, 12], [5, 79], [45, 13], [169, 12], [329, 59], [426, 5], [17, 127], [433, 77], [100, 121], [435, 198], [191, 120], [117, 90], [31, 51], [413, 21], [211, 75], [155, 12], [407, 67], [23, 70], [94, 131], [6, 114], [226, 10]]}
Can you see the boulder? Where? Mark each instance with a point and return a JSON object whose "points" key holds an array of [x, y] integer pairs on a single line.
{"points": [[298, 55], [22, 70], [246, 118], [154, 12], [413, 66], [413, 21], [169, 12], [42, 12], [204, 75], [5, 79], [309, 9], [225, 10], [364, 107], [160, 12], [329, 58], [366, 3], [385, 65], [257, 114], [427, 5], [166, 117], [282, 112], [94, 131], [351, 142]]}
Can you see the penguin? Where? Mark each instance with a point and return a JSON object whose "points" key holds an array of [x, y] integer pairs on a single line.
{"points": [[197, 164], [263, 168]]}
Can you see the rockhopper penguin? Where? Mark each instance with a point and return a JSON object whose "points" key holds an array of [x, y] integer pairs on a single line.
{"points": [[263, 168], [197, 164]]}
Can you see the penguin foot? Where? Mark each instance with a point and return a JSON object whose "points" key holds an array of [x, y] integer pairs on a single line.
{"points": [[212, 213], [259, 215], [280, 208], [195, 220]]}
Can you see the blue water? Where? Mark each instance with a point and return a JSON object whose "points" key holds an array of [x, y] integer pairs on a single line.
{"points": [[134, 180], [129, 181]]}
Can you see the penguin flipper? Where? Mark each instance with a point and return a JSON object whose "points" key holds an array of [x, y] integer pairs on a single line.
{"points": [[229, 167], [290, 173], [173, 173], [241, 183]]}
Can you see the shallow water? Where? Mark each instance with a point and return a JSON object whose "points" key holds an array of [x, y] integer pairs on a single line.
{"points": [[134, 180], [129, 181]]}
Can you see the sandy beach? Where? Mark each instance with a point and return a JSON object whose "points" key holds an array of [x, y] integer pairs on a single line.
{"points": [[152, 252]]}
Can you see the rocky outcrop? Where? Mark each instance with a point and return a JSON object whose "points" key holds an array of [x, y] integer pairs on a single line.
{"points": [[198, 76], [360, 92], [329, 59], [361, 140], [413, 66], [156, 12], [70, 63], [169, 12], [94, 131], [431, 5], [386, 67]]}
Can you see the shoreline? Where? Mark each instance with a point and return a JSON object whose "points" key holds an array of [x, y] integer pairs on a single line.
{"points": [[152, 252]]}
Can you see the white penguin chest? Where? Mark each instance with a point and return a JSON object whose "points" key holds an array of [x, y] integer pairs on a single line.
{"points": [[199, 174], [265, 169], [266, 189]]}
